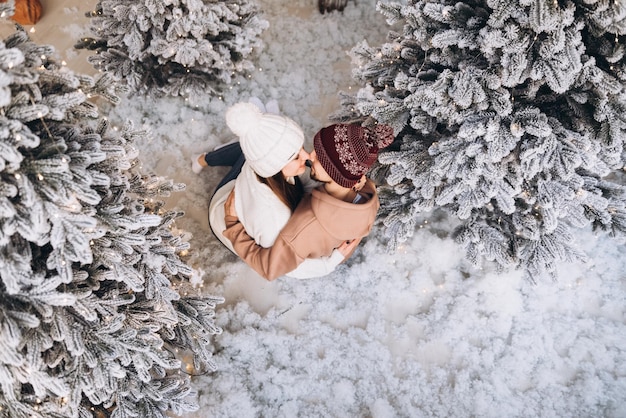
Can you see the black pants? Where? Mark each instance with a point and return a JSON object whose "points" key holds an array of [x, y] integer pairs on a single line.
{"points": [[229, 155]]}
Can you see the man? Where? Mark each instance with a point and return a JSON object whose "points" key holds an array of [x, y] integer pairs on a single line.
{"points": [[335, 215]]}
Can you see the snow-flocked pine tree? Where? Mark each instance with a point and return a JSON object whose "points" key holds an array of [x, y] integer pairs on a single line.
{"points": [[175, 47], [510, 114], [91, 311]]}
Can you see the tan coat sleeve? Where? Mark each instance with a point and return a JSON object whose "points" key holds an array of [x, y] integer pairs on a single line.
{"points": [[270, 263]]}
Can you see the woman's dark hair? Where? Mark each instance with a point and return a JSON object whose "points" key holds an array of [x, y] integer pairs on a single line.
{"points": [[289, 194]]}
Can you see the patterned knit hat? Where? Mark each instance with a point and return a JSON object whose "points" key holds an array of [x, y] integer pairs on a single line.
{"points": [[268, 141], [347, 151]]}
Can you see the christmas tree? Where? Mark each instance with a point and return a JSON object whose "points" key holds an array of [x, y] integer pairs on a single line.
{"points": [[93, 306], [177, 47], [510, 115]]}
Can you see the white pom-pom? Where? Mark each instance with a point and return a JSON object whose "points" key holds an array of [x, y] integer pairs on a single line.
{"points": [[243, 118]]}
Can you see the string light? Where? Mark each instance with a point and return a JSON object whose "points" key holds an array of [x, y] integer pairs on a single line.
{"points": [[516, 129]]}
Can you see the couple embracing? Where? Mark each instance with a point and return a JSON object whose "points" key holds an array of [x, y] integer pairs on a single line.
{"points": [[278, 219]]}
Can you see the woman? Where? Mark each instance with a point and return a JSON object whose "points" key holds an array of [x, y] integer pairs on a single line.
{"points": [[266, 163]]}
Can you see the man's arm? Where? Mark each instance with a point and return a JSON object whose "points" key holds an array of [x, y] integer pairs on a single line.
{"points": [[270, 263], [321, 266]]}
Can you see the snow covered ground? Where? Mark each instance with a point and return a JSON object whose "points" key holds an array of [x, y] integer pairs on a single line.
{"points": [[413, 333]]}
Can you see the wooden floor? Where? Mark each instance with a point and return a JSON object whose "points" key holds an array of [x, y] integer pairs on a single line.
{"points": [[62, 23]]}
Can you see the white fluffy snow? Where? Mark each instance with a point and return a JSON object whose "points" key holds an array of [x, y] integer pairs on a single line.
{"points": [[414, 333]]}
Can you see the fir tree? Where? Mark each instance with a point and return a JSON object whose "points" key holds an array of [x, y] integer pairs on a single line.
{"points": [[176, 47], [91, 314], [510, 115]]}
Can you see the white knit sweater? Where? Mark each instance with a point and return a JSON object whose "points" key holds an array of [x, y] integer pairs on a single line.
{"points": [[259, 209]]}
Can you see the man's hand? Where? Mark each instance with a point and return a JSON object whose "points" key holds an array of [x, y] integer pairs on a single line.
{"points": [[347, 247], [229, 205]]}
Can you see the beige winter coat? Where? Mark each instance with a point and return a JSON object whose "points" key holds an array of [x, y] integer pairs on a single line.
{"points": [[319, 224]]}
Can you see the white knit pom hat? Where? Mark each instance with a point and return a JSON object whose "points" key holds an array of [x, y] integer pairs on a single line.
{"points": [[268, 141]]}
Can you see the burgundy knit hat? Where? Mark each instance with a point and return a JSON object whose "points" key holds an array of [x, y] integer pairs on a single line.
{"points": [[347, 151]]}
